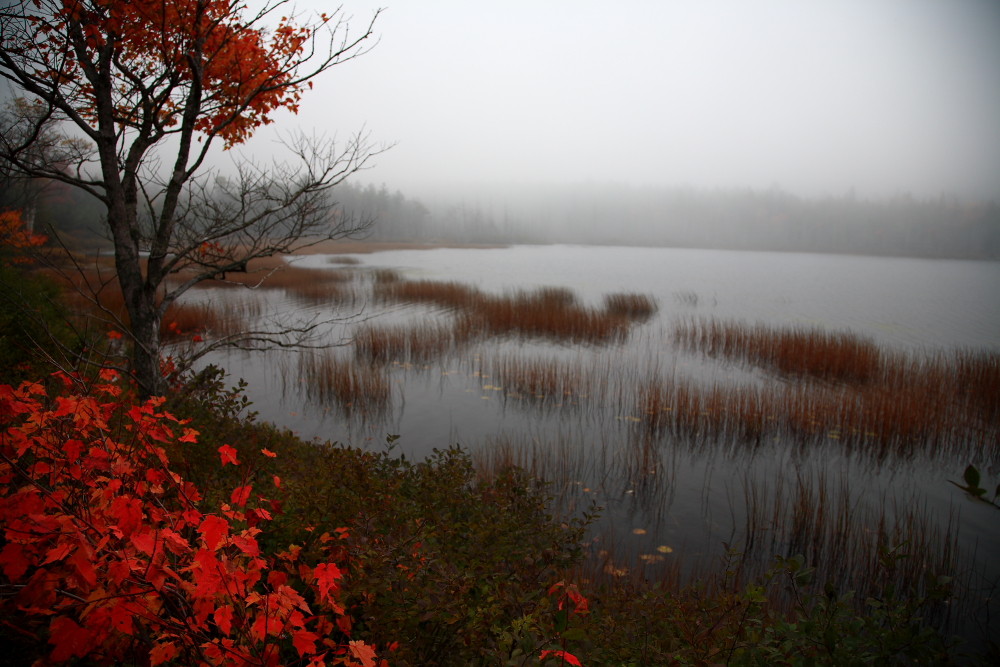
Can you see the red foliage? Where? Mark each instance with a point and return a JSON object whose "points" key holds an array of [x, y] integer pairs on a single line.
{"points": [[112, 553], [564, 657], [239, 75], [13, 235]]}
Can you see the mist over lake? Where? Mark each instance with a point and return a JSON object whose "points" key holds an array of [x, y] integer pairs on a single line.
{"points": [[676, 492]]}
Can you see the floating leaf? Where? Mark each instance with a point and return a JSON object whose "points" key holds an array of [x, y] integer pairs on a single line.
{"points": [[972, 477]]}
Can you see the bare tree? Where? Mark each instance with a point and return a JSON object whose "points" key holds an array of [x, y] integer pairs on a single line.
{"points": [[141, 92]]}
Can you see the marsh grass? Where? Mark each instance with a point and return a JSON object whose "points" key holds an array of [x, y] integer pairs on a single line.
{"points": [[449, 295], [354, 387], [875, 423], [322, 293], [858, 550], [385, 276], [548, 313], [405, 343], [344, 260], [873, 402], [825, 355], [851, 545], [632, 306], [539, 379], [218, 320]]}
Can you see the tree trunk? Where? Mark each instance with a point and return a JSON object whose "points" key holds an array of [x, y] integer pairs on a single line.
{"points": [[145, 330]]}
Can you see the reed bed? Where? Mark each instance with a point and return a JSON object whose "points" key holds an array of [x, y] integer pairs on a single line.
{"points": [[539, 379], [184, 320], [321, 293], [832, 356], [876, 423], [545, 313], [416, 343], [292, 278], [354, 387], [450, 295], [549, 312], [386, 276], [629, 305], [883, 404], [276, 274], [851, 546]]}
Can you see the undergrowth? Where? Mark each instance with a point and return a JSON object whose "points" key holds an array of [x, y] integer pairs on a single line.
{"points": [[455, 569]]}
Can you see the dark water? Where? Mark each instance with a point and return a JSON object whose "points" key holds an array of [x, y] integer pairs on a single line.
{"points": [[666, 499]]}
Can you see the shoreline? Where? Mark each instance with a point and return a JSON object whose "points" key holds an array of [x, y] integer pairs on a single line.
{"points": [[363, 247]]}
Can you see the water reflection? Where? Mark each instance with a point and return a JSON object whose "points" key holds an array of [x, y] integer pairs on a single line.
{"points": [[691, 442]]}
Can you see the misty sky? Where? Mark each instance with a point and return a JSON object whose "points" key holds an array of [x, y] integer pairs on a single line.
{"points": [[815, 97]]}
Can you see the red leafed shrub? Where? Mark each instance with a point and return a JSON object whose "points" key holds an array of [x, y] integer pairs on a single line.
{"points": [[108, 554]]}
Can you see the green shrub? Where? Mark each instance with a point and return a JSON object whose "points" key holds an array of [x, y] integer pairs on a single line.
{"points": [[33, 324], [451, 567]]}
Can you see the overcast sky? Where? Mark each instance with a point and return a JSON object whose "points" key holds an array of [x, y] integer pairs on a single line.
{"points": [[815, 97]]}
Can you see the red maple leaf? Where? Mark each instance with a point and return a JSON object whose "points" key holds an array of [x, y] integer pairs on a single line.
{"points": [[567, 658], [228, 455]]}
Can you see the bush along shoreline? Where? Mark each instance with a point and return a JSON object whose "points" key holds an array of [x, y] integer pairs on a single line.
{"points": [[186, 532]]}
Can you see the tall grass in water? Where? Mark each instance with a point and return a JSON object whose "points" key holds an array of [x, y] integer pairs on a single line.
{"points": [[539, 379], [834, 356], [549, 312], [219, 320], [546, 313], [416, 343], [354, 387], [853, 547], [856, 547], [343, 260], [321, 293], [874, 402], [877, 423], [631, 306], [450, 295]]}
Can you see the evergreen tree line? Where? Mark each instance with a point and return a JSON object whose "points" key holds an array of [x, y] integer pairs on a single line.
{"points": [[743, 219]]}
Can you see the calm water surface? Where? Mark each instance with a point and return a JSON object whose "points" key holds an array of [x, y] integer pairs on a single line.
{"points": [[666, 493]]}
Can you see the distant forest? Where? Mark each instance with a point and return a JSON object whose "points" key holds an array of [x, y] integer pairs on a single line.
{"points": [[772, 219], [741, 219]]}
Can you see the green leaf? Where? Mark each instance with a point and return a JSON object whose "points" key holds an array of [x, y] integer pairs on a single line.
{"points": [[972, 476], [561, 619], [574, 635]]}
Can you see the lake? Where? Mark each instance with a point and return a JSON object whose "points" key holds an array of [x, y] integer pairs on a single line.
{"points": [[677, 493]]}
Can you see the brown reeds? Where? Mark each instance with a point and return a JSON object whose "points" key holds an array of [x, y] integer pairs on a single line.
{"points": [[353, 386], [416, 343], [546, 313], [345, 260], [186, 320], [539, 378], [449, 295], [864, 548], [321, 293], [638, 307], [274, 273], [384, 276], [909, 409], [550, 312], [833, 356]]}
